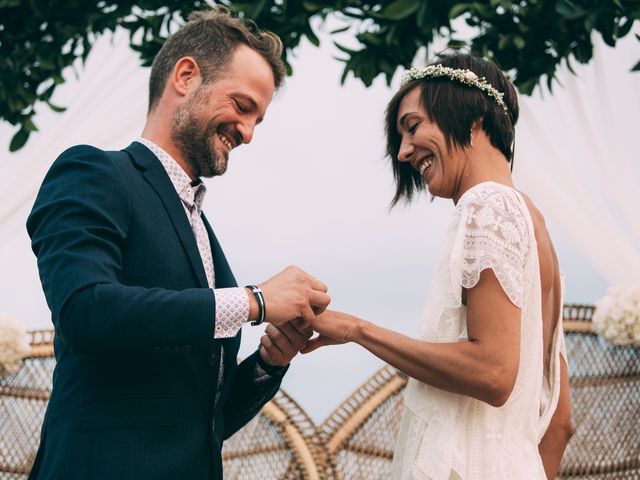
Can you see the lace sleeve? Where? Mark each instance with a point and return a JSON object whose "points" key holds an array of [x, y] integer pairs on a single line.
{"points": [[492, 233]]}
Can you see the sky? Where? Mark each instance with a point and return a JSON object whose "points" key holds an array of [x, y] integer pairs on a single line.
{"points": [[312, 189]]}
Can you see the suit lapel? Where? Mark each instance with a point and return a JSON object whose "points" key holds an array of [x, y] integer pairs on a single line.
{"points": [[158, 178]]}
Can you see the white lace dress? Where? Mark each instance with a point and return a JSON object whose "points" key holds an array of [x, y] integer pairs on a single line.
{"points": [[443, 435]]}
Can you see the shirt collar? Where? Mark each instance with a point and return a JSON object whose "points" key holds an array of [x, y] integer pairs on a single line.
{"points": [[190, 192]]}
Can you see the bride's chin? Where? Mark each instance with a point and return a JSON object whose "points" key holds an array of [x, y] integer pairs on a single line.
{"points": [[432, 187]]}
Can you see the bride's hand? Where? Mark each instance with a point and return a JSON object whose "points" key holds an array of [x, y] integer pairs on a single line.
{"points": [[334, 328]]}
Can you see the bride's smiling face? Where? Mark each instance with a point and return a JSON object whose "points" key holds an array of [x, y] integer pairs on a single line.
{"points": [[424, 146]]}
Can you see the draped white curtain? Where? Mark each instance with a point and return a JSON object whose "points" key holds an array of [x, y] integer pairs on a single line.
{"points": [[111, 72], [577, 154]]}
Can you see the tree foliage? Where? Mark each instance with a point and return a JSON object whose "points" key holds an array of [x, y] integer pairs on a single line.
{"points": [[39, 39]]}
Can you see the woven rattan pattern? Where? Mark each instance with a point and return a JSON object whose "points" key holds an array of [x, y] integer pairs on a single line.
{"points": [[280, 443], [356, 442], [605, 400]]}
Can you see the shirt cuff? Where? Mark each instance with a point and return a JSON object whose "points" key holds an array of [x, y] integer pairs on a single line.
{"points": [[232, 311], [265, 371]]}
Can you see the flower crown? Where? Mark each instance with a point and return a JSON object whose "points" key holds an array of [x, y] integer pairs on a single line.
{"points": [[467, 77]]}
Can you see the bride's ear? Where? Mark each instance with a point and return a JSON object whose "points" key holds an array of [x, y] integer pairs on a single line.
{"points": [[476, 124]]}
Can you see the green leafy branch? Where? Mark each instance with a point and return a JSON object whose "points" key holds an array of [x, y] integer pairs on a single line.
{"points": [[40, 39]]}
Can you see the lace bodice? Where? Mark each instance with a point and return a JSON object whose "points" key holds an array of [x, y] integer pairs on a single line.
{"points": [[445, 435]]}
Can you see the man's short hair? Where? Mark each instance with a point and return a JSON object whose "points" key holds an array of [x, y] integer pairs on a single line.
{"points": [[210, 37]]}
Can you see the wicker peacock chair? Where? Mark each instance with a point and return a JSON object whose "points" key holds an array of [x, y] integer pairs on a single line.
{"points": [[279, 443], [356, 442]]}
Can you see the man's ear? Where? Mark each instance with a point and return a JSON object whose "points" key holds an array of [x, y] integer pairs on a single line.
{"points": [[185, 77]]}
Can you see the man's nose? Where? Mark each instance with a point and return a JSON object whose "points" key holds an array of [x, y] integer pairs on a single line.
{"points": [[245, 129]]}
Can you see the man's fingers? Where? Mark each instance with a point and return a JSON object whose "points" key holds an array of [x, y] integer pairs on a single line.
{"points": [[319, 301], [288, 347], [310, 346], [270, 345], [303, 327], [265, 355], [284, 333], [317, 284], [308, 315]]}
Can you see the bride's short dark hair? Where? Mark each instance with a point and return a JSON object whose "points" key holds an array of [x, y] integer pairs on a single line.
{"points": [[453, 107]]}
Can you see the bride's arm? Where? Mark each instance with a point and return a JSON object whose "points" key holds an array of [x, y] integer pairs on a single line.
{"points": [[484, 367], [560, 428]]}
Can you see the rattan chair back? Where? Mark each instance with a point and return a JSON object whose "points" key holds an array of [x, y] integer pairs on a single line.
{"points": [[356, 442]]}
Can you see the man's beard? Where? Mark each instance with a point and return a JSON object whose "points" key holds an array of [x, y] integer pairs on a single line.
{"points": [[194, 137]]}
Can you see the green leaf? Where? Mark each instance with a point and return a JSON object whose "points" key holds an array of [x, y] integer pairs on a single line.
{"points": [[483, 10], [56, 108], [583, 52], [312, 6], [527, 86], [458, 10], [636, 67], [400, 9], [312, 36], [345, 73], [624, 27], [340, 30], [256, 11], [569, 10], [19, 139], [29, 126], [569, 66], [344, 49], [519, 42]]}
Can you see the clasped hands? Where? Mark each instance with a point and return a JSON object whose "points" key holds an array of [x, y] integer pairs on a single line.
{"points": [[296, 307]]}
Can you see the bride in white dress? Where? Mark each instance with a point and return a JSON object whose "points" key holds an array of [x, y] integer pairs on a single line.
{"points": [[488, 396]]}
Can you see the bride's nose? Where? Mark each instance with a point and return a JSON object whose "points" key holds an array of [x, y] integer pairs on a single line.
{"points": [[406, 150]]}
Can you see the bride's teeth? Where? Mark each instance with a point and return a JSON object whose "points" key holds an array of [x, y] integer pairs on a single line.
{"points": [[424, 165]]}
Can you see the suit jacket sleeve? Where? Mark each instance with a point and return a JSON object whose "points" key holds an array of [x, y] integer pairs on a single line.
{"points": [[249, 391], [78, 227]]}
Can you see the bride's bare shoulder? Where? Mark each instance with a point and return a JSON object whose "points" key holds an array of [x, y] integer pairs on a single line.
{"points": [[549, 268]]}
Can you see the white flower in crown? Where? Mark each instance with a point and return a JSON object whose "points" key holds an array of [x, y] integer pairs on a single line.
{"points": [[469, 75], [464, 76]]}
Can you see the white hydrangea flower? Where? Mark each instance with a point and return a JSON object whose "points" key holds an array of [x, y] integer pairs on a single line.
{"points": [[617, 315], [14, 344]]}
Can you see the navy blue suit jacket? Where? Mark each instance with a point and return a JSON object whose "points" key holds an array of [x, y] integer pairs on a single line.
{"points": [[135, 379]]}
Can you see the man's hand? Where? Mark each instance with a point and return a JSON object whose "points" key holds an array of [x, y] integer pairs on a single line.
{"points": [[291, 294], [280, 344]]}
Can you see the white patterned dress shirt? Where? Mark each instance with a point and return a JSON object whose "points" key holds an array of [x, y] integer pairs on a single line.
{"points": [[232, 304]]}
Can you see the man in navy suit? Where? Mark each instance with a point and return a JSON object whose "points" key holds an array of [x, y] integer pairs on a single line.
{"points": [[146, 310]]}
